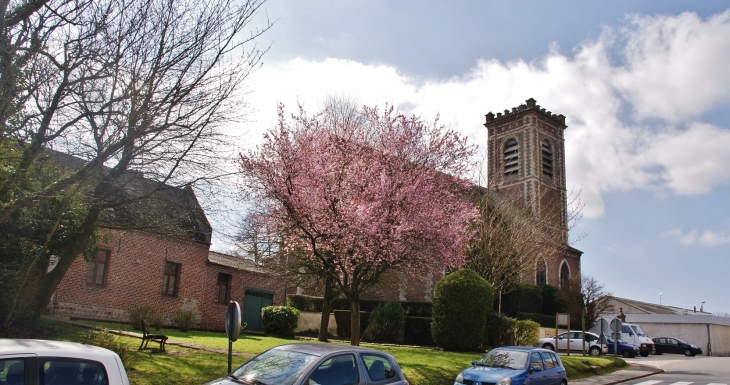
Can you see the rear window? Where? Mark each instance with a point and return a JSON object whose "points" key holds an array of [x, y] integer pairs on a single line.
{"points": [[59, 370]]}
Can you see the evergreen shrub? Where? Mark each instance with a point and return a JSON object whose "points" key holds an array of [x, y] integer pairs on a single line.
{"points": [[498, 330], [461, 302], [530, 299], [280, 320], [386, 321], [526, 332]]}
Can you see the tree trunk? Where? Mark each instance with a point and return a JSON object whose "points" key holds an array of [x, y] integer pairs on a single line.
{"points": [[326, 306], [355, 320], [75, 246]]}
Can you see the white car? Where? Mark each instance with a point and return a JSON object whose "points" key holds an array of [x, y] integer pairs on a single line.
{"points": [[591, 341], [56, 362]]}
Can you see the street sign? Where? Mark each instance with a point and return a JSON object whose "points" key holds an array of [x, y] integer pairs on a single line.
{"points": [[616, 325], [233, 321], [604, 325], [562, 319], [233, 327]]}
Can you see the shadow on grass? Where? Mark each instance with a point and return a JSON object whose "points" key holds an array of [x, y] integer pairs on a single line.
{"points": [[428, 375]]}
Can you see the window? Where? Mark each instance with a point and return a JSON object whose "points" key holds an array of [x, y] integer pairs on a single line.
{"points": [[379, 368], [338, 370], [547, 159], [536, 360], [53, 371], [97, 267], [511, 158], [222, 287], [564, 275], [169, 284], [541, 275], [12, 371], [549, 360]]}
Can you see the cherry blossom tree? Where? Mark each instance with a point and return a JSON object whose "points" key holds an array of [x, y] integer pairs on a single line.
{"points": [[363, 193]]}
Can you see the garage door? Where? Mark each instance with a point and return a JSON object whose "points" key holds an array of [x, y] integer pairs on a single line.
{"points": [[254, 301]]}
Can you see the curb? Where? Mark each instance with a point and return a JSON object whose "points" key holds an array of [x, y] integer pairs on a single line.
{"points": [[596, 380]]}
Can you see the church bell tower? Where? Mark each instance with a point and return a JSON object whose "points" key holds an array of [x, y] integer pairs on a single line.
{"points": [[526, 163]]}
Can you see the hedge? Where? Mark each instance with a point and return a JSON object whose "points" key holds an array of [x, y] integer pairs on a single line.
{"points": [[526, 332], [417, 331], [546, 321], [342, 318], [280, 320], [386, 321], [314, 304], [461, 302], [524, 297], [498, 330]]}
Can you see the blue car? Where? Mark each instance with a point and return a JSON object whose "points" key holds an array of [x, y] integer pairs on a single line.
{"points": [[515, 365], [624, 349]]}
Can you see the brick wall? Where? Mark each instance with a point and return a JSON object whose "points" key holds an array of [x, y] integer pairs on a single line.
{"points": [[134, 275]]}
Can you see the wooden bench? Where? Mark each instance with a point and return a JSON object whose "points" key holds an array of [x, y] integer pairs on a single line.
{"points": [[147, 337]]}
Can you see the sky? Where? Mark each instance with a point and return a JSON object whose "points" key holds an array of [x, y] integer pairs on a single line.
{"points": [[644, 86]]}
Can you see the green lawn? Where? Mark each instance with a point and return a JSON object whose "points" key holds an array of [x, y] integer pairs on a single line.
{"points": [[422, 366]]}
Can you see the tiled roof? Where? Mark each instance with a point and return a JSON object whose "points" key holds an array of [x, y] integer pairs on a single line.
{"points": [[238, 263]]}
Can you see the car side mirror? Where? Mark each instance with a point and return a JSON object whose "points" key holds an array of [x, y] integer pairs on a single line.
{"points": [[535, 369], [473, 363]]}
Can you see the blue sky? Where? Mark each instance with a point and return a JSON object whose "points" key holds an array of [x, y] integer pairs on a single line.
{"points": [[645, 87]]}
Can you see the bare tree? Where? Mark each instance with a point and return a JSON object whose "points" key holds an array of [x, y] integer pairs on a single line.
{"points": [[508, 241], [156, 85], [586, 296]]}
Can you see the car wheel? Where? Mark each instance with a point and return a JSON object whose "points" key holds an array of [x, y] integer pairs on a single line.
{"points": [[548, 347], [626, 354], [595, 351], [688, 352], [644, 354], [564, 382]]}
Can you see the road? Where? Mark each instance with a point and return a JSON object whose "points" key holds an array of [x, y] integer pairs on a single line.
{"points": [[681, 370]]}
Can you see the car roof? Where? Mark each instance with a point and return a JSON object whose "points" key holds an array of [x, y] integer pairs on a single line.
{"points": [[47, 348], [321, 349], [522, 348]]}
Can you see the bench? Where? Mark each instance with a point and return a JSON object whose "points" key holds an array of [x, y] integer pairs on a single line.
{"points": [[147, 337]]}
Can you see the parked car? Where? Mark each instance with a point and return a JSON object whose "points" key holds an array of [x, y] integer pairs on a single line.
{"points": [[57, 362], [636, 336], [312, 364], [515, 365], [675, 345], [591, 342], [624, 348]]}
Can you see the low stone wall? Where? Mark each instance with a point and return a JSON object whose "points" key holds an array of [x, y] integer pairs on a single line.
{"points": [[311, 320]]}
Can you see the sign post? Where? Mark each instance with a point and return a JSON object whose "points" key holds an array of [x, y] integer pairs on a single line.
{"points": [[233, 327], [604, 328], [616, 327], [562, 319]]}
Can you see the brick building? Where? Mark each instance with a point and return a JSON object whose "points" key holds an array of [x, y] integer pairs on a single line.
{"points": [[162, 258], [526, 163]]}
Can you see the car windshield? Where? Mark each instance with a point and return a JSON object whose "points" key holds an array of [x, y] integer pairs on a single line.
{"points": [[503, 358], [610, 340], [680, 341], [639, 331], [274, 367]]}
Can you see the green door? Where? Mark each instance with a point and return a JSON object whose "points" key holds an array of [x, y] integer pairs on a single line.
{"points": [[253, 302]]}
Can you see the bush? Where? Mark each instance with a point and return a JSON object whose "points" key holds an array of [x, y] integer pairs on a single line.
{"points": [[461, 302], [526, 332], [550, 304], [417, 331], [342, 319], [498, 330], [386, 321], [156, 319], [139, 312], [417, 308], [314, 304], [104, 339], [184, 319], [280, 320]]}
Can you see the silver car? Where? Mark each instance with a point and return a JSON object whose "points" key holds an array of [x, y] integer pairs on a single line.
{"points": [[575, 339], [317, 364]]}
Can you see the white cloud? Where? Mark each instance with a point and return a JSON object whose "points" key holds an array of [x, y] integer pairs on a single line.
{"points": [[672, 69], [692, 237]]}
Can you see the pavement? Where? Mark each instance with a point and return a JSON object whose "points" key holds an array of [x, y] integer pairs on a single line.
{"points": [[633, 372]]}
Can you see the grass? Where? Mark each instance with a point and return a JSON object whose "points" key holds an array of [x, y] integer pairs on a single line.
{"points": [[422, 366]]}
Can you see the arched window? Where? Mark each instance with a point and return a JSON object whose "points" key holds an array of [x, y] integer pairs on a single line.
{"points": [[547, 159], [564, 275], [541, 273], [511, 158]]}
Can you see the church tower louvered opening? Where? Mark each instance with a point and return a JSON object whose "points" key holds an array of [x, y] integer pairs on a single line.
{"points": [[547, 159], [511, 158]]}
